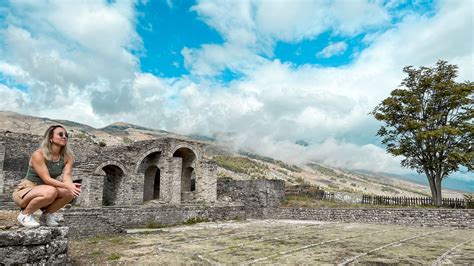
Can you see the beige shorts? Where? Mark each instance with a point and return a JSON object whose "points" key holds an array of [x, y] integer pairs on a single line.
{"points": [[21, 190]]}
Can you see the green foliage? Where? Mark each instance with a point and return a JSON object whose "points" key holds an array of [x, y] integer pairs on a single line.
{"points": [[96, 253], [241, 165], [222, 175], [113, 256], [127, 141], [428, 121], [300, 180], [195, 220], [290, 167], [238, 218], [152, 225]]}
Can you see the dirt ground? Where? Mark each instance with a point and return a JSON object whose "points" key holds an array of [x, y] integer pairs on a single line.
{"points": [[280, 241], [8, 220]]}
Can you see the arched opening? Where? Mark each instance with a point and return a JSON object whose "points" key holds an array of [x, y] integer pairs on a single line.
{"points": [[188, 180], [149, 166], [112, 181], [151, 188], [189, 172]]}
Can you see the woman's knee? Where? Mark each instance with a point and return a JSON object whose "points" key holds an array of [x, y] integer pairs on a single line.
{"points": [[50, 192]]}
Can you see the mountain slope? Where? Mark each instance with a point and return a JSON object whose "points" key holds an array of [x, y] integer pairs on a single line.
{"points": [[243, 165]]}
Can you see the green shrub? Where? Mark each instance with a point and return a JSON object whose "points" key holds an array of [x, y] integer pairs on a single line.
{"points": [[195, 220]]}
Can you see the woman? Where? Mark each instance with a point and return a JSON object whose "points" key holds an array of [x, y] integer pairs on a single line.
{"points": [[41, 188]]}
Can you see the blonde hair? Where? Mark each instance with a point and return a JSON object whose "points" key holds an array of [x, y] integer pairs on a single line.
{"points": [[46, 144]]}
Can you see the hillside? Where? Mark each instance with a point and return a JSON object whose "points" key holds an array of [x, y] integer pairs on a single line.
{"points": [[242, 165]]}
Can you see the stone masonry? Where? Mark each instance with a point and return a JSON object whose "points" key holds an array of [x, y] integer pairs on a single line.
{"points": [[42, 246], [166, 170]]}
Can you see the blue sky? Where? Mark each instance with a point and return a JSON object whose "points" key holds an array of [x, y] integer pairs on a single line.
{"points": [[257, 75]]}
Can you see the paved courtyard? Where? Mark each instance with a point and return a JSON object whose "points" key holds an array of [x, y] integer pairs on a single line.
{"points": [[282, 241]]}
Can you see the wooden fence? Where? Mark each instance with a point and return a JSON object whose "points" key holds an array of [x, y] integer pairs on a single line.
{"points": [[415, 201]]}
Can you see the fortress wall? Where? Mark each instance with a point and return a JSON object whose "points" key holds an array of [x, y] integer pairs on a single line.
{"points": [[409, 217], [84, 222], [42, 246], [92, 221], [17, 151], [255, 194], [91, 159], [206, 187]]}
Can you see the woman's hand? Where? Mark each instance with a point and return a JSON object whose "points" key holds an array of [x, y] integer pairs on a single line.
{"points": [[75, 190]]}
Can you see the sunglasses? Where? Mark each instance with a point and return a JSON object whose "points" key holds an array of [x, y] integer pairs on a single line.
{"points": [[63, 135]]}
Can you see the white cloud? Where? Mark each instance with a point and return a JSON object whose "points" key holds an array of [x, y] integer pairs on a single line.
{"points": [[12, 99], [333, 49], [12, 70], [71, 65], [251, 28], [324, 104], [69, 52]]}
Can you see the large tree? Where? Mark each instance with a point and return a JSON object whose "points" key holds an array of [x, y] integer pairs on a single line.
{"points": [[429, 121]]}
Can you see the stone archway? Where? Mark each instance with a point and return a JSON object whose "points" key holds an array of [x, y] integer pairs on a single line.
{"points": [[149, 166], [112, 182], [151, 189], [188, 180]]}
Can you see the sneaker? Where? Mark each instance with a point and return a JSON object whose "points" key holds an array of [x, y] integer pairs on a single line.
{"points": [[27, 220], [48, 219], [58, 217]]}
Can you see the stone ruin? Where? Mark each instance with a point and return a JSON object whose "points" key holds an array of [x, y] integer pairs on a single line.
{"points": [[165, 170]]}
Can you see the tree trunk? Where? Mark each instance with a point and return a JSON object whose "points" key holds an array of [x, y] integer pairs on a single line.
{"points": [[439, 199], [435, 188]]}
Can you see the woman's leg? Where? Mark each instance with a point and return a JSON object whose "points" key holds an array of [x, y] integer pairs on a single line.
{"points": [[38, 197], [63, 198]]}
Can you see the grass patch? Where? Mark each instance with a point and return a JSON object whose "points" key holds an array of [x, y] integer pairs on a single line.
{"points": [[238, 218], [96, 253], [113, 256], [127, 141], [306, 201], [152, 225], [241, 165], [195, 220]]}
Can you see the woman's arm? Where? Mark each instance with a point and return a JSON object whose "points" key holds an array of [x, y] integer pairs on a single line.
{"points": [[67, 171], [38, 163]]}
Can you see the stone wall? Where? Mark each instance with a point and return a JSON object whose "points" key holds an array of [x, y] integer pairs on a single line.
{"points": [[254, 194], [43, 245], [17, 150], [409, 217], [92, 221], [352, 198]]}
